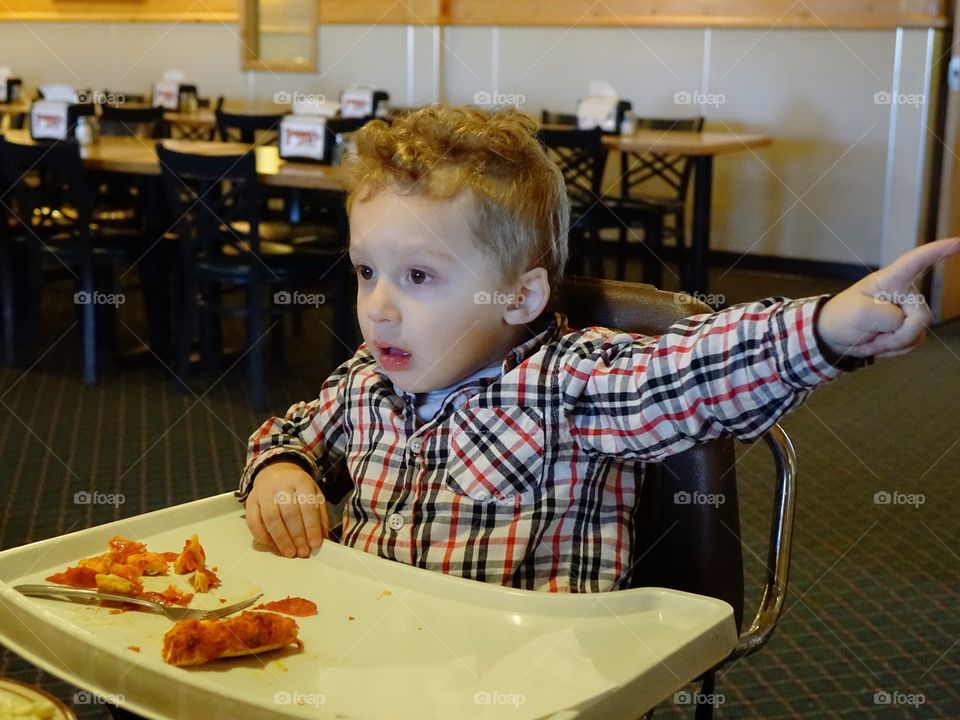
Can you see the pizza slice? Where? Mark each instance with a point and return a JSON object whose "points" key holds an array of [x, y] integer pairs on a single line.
{"points": [[195, 642]]}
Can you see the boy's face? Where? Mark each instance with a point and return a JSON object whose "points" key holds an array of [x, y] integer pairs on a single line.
{"points": [[422, 286]]}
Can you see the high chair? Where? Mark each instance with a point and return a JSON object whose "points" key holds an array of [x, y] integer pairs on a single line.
{"points": [[694, 547]]}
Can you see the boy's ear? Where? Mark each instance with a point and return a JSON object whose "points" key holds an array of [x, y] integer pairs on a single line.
{"points": [[531, 294]]}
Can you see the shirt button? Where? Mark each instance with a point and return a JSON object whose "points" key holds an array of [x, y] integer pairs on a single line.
{"points": [[395, 521], [415, 445]]}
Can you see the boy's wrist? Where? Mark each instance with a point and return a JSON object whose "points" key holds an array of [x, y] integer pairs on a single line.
{"points": [[847, 363], [271, 456]]}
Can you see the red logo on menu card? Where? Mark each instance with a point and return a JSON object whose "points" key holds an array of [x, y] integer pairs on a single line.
{"points": [[299, 138], [49, 121]]}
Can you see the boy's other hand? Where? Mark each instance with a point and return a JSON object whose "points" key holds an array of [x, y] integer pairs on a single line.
{"points": [[883, 315], [286, 510]]}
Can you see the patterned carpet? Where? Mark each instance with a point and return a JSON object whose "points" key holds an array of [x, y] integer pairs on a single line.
{"points": [[871, 624]]}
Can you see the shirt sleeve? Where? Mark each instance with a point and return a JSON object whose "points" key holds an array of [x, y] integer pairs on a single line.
{"points": [[309, 434], [734, 372]]}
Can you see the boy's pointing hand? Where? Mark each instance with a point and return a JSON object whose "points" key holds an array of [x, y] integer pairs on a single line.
{"points": [[883, 315]]}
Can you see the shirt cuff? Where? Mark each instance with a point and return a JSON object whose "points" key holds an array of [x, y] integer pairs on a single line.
{"points": [[847, 363], [268, 457], [805, 360]]}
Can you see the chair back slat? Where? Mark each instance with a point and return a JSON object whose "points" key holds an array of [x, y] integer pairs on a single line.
{"points": [[141, 122], [581, 157], [46, 190], [665, 169], [213, 195], [239, 127]]}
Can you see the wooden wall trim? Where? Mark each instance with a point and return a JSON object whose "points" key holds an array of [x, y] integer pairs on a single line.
{"points": [[187, 11], [780, 14]]}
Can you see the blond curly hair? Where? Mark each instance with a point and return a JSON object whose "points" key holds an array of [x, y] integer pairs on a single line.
{"points": [[440, 151]]}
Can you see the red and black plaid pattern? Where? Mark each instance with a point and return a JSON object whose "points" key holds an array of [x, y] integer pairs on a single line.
{"points": [[530, 480]]}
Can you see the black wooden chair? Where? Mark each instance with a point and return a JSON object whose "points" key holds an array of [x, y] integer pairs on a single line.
{"points": [[122, 121], [661, 181], [248, 128], [48, 200], [217, 199], [582, 158], [551, 117], [688, 546]]}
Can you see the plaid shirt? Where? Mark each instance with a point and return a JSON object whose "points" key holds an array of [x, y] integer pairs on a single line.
{"points": [[530, 479]]}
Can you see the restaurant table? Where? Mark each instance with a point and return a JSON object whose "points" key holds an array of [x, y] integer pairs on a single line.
{"points": [[701, 148], [137, 156], [11, 110]]}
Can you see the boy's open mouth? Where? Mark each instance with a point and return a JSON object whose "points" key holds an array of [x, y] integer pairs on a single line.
{"points": [[392, 358]]}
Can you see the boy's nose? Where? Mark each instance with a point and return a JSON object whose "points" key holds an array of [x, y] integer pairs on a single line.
{"points": [[380, 305]]}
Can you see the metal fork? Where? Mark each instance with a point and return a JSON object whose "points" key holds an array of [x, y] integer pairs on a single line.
{"points": [[57, 592]]}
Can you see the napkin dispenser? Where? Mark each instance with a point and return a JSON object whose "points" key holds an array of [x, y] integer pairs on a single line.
{"points": [[605, 113], [304, 137], [364, 102], [10, 88], [174, 95], [50, 120]]}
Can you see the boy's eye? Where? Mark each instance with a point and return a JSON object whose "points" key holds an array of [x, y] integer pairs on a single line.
{"points": [[418, 277], [364, 271]]}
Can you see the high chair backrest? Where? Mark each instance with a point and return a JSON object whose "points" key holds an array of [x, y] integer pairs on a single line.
{"points": [[690, 546]]}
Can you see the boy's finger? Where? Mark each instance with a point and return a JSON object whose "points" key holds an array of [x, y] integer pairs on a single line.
{"points": [[910, 333], [313, 514], [255, 525], [292, 515], [901, 272], [278, 531]]}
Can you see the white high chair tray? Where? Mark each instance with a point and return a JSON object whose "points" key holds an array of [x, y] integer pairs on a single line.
{"points": [[390, 640]]}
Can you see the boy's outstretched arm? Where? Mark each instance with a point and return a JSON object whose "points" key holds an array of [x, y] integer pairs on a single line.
{"points": [[883, 315]]}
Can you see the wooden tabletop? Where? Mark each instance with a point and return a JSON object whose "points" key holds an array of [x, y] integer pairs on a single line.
{"points": [[15, 108], [139, 157], [685, 143]]}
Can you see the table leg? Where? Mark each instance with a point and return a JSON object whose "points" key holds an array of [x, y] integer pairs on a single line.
{"points": [[697, 278]]}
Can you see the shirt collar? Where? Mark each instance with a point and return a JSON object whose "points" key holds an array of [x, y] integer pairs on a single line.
{"points": [[553, 330]]}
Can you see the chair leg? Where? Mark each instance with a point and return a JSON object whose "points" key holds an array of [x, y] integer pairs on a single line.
{"points": [[26, 335], [653, 250], [680, 239], [210, 332], [258, 395], [9, 307], [705, 709], [88, 314], [186, 321]]}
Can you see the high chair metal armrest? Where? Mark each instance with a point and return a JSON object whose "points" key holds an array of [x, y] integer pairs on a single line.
{"points": [[778, 554]]}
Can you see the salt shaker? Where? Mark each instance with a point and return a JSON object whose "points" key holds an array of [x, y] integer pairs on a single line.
{"points": [[83, 132]]}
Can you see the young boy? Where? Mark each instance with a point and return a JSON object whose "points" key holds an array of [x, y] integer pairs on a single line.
{"points": [[484, 438]]}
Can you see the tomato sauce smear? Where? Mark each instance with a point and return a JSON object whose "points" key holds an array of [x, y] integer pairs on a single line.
{"points": [[295, 606]]}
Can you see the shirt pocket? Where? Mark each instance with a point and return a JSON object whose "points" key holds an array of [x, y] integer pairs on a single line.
{"points": [[495, 453]]}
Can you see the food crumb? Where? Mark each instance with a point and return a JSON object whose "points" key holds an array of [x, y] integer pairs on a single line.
{"points": [[350, 617], [135, 648], [222, 600]]}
